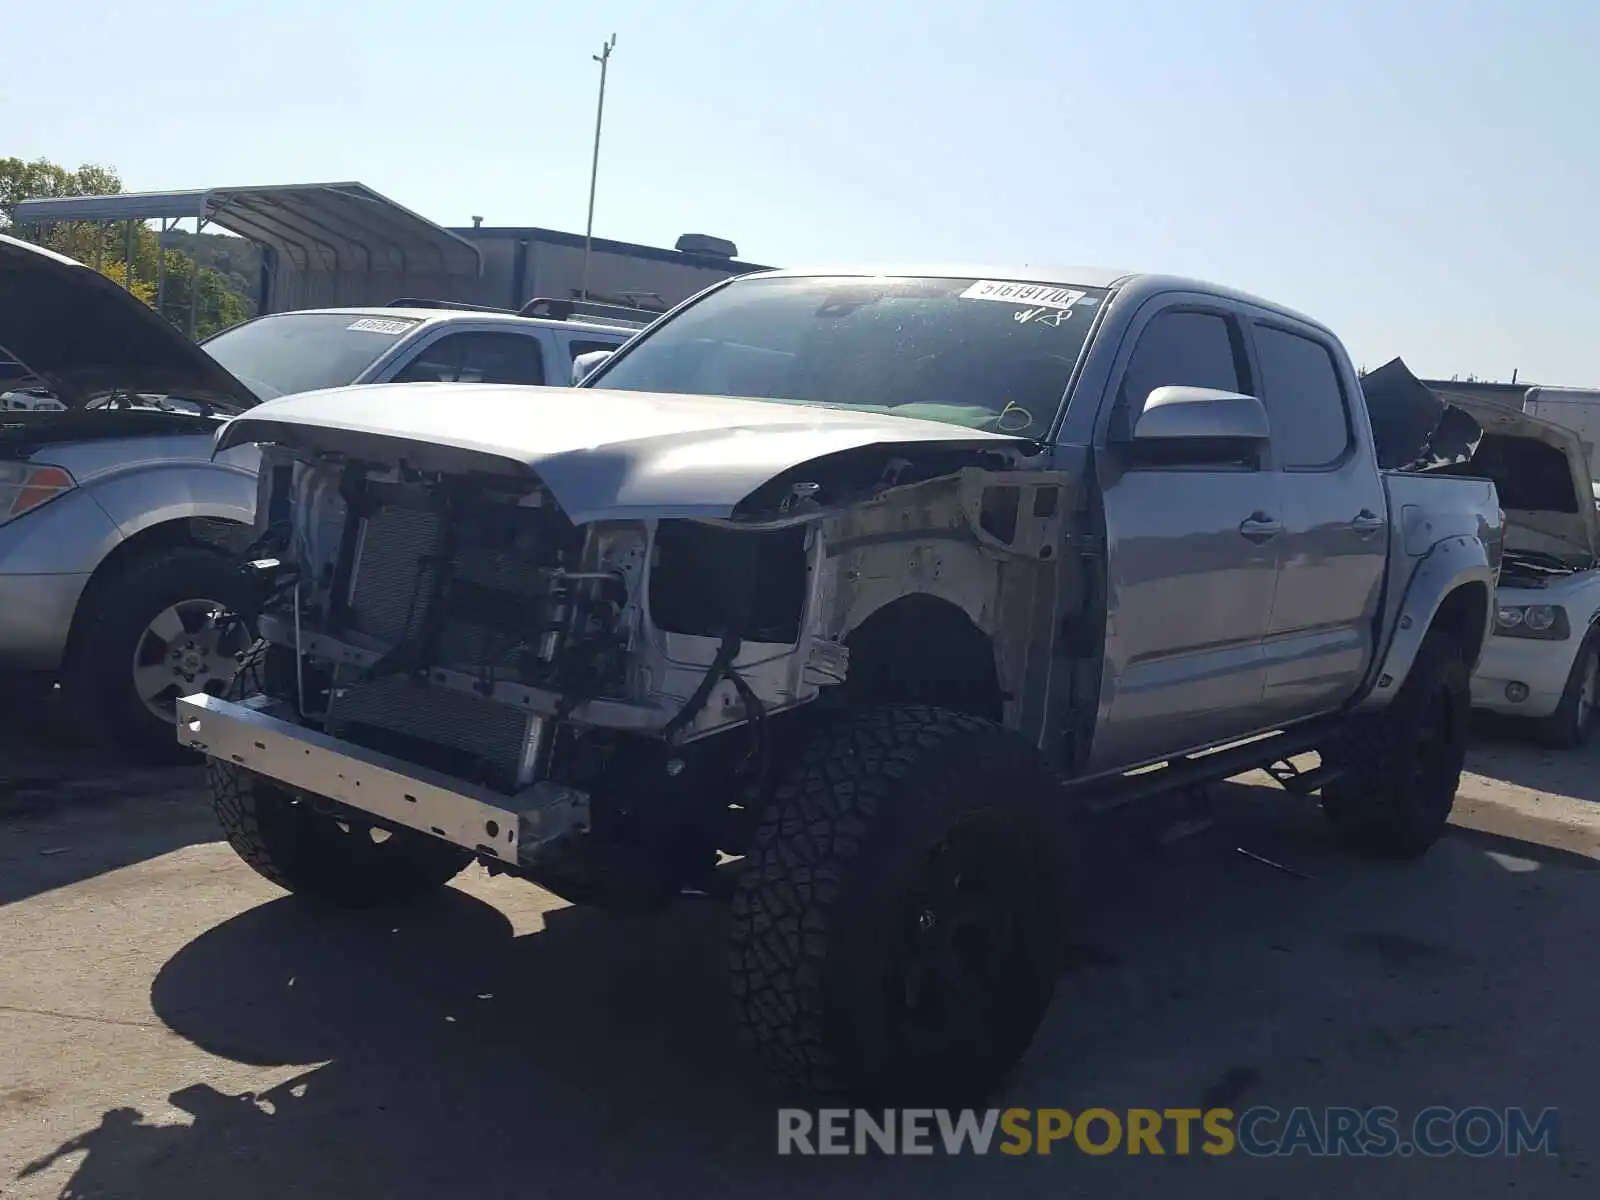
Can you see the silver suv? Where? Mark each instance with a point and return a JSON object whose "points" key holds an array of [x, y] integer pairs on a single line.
{"points": [[114, 518]]}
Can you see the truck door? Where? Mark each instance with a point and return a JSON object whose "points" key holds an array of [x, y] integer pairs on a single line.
{"points": [[1191, 554], [1335, 537]]}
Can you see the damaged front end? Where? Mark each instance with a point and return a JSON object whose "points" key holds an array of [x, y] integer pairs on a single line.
{"points": [[591, 705]]}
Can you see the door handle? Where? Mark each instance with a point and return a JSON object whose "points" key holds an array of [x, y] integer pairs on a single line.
{"points": [[1259, 527], [1367, 523]]}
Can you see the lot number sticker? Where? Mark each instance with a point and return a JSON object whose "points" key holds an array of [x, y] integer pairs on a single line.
{"points": [[380, 325], [1037, 295]]}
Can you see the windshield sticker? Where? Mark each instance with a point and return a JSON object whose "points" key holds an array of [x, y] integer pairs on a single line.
{"points": [[379, 325], [1035, 295]]}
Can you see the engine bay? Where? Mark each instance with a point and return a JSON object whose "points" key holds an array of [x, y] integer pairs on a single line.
{"points": [[456, 620]]}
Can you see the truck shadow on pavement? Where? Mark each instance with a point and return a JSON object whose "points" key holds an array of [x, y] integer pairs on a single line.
{"points": [[435, 1051]]}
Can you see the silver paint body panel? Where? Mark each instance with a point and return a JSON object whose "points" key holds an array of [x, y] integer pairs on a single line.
{"points": [[603, 455]]}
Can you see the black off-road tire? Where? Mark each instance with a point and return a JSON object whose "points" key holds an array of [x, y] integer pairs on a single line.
{"points": [[827, 919], [1573, 721], [1402, 764], [288, 842], [99, 677]]}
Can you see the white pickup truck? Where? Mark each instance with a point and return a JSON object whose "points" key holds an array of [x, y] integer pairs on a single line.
{"points": [[858, 579]]}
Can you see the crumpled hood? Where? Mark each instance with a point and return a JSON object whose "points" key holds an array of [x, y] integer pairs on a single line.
{"points": [[1413, 427], [603, 454], [83, 336]]}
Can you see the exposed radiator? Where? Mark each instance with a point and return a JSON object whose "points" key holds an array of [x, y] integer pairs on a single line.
{"points": [[392, 576], [495, 563], [486, 737]]}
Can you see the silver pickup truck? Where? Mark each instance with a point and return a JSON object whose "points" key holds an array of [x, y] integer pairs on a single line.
{"points": [[838, 592], [115, 521]]}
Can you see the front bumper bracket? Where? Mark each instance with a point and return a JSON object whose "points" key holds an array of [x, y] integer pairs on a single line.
{"points": [[260, 735]]}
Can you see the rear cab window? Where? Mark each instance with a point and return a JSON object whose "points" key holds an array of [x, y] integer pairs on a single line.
{"points": [[1305, 399]]}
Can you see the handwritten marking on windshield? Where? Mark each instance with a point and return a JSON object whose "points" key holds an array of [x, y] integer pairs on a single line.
{"points": [[1013, 417], [1056, 317]]}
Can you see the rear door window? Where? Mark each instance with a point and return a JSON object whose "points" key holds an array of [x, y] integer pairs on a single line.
{"points": [[477, 357], [1304, 399]]}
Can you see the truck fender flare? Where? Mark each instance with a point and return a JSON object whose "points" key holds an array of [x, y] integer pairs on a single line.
{"points": [[1453, 564]]}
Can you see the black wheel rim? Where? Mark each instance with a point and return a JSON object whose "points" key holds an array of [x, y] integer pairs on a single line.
{"points": [[963, 948]]}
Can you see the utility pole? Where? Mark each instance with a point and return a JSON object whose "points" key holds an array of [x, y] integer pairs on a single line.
{"points": [[604, 59]]}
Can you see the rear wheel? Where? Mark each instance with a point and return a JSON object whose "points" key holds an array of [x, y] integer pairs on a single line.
{"points": [[299, 843], [896, 929], [1399, 768]]}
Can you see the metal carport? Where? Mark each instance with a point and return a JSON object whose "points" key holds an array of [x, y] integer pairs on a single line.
{"points": [[326, 243]]}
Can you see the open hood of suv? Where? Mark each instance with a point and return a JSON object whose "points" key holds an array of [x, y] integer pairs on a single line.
{"points": [[1541, 471], [82, 336]]}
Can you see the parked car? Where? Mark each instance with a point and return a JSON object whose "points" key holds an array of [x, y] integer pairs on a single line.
{"points": [[115, 521], [1542, 663], [861, 579], [30, 400]]}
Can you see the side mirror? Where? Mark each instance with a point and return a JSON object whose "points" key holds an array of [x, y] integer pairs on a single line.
{"points": [[583, 366], [1175, 413]]}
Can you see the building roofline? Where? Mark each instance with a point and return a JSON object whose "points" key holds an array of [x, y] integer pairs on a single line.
{"points": [[557, 237]]}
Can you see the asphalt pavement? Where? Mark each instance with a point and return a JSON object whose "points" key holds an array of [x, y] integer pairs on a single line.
{"points": [[172, 1026]]}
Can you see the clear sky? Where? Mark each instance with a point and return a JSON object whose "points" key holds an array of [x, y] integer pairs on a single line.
{"points": [[1421, 174]]}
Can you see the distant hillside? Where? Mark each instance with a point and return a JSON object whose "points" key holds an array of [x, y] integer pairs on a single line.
{"points": [[238, 261]]}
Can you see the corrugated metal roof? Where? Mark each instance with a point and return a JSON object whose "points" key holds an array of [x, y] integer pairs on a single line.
{"points": [[316, 226]]}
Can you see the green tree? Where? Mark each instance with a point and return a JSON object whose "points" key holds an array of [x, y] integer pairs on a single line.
{"points": [[118, 273], [105, 247], [219, 304], [42, 179]]}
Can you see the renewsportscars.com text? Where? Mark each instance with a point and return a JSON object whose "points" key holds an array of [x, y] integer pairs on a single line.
{"points": [[1260, 1132]]}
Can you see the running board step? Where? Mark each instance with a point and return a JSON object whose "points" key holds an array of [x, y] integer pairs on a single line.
{"points": [[1304, 783], [1106, 795]]}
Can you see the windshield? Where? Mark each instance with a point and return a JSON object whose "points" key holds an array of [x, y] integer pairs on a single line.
{"points": [[287, 353], [985, 354]]}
